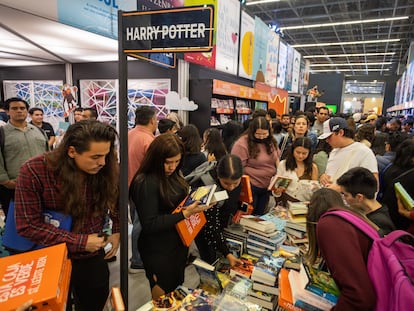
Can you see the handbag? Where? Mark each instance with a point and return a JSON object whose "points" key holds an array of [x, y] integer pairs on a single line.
{"points": [[15, 242]]}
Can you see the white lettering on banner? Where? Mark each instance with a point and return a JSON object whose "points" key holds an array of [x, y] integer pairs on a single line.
{"points": [[171, 32]]}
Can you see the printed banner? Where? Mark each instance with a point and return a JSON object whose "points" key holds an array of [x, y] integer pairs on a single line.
{"points": [[289, 68], [97, 16], [295, 71], [207, 59], [281, 69], [261, 37], [272, 57], [246, 46], [227, 36]]}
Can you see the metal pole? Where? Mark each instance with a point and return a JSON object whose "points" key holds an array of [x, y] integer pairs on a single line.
{"points": [[123, 156]]}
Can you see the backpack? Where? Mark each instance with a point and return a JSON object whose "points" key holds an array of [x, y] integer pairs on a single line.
{"points": [[201, 172], [390, 265]]}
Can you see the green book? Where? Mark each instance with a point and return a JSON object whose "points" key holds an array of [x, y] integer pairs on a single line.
{"points": [[405, 198]]}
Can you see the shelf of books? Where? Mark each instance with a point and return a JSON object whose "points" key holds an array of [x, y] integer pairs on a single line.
{"points": [[272, 274]]}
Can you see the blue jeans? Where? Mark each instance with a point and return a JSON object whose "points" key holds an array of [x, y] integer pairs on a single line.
{"points": [[260, 200], [136, 230]]}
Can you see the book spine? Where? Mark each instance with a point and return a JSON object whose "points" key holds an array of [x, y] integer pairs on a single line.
{"points": [[406, 199], [306, 306]]}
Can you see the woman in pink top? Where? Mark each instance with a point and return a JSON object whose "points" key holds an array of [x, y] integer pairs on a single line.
{"points": [[260, 156]]}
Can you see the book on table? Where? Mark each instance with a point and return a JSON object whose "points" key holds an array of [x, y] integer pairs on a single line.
{"points": [[296, 233], [209, 279], [235, 247], [285, 299], [298, 208], [404, 196], [267, 268], [302, 296], [269, 289], [42, 276], [296, 226], [257, 223], [319, 282], [270, 305], [245, 269]]}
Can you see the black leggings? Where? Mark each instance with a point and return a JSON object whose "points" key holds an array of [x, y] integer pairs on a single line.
{"points": [[90, 283]]}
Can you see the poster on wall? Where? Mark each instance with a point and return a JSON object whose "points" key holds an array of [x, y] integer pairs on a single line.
{"points": [[261, 37], [246, 46], [100, 17], [43, 94], [289, 68], [102, 95], [227, 36], [207, 59], [295, 71], [271, 59], [163, 59], [281, 69], [302, 86]]}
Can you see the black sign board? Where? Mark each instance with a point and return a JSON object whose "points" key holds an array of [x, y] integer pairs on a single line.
{"points": [[188, 29]]}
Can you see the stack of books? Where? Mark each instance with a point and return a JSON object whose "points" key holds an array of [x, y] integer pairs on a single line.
{"points": [[255, 223], [295, 227], [258, 243], [292, 255], [236, 232], [312, 289]]}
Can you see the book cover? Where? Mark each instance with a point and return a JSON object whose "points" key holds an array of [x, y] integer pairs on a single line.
{"points": [[199, 300], [115, 301], [261, 295], [275, 240], [318, 281], [41, 275], [190, 227], [203, 194], [267, 268], [219, 196], [276, 220], [235, 247], [279, 183], [404, 196], [238, 286], [209, 280], [245, 269]]}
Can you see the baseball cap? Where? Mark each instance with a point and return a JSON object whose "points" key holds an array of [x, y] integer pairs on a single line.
{"points": [[333, 125], [371, 117]]}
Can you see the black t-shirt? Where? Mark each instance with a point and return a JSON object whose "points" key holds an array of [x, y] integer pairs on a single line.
{"points": [[48, 128]]}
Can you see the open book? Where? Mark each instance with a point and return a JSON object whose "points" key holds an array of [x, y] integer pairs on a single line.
{"points": [[279, 182], [203, 194]]}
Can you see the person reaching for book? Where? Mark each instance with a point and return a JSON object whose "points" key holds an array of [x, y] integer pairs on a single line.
{"points": [[343, 247], [156, 190], [210, 240]]}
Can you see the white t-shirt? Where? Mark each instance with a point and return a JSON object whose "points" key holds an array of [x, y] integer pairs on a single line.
{"points": [[354, 155]]}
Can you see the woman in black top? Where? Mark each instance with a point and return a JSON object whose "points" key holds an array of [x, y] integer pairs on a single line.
{"points": [[193, 156], [156, 190]]}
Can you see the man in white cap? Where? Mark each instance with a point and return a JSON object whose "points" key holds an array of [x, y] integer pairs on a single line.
{"points": [[346, 153]]}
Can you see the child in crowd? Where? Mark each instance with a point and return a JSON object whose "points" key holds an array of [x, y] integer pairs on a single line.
{"points": [[344, 248], [358, 186], [156, 190]]}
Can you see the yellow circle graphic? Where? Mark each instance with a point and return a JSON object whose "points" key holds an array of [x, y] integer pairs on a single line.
{"points": [[247, 52]]}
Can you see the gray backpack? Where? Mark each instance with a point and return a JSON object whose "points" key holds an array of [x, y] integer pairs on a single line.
{"points": [[201, 172]]}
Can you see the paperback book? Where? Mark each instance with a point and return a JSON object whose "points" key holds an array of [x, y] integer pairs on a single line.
{"points": [[235, 247], [404, 196], [278, 183], [209, 280], [319, 282], [203, 194], [257, 223]]}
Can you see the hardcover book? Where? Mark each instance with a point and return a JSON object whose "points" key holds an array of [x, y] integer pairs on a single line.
{"points": [[41, 275], [404, 196]]}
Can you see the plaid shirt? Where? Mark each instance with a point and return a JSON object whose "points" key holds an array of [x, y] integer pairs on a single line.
{"points": [[38, 188]]}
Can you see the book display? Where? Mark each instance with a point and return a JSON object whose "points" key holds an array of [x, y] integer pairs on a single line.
{"points": [[42, 275]]}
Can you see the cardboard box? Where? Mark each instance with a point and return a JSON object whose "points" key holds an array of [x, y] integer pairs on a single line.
{"points": [[42, 275]]}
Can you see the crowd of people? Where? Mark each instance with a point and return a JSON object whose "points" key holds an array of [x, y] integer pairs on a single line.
{"points": [[355, 160]]}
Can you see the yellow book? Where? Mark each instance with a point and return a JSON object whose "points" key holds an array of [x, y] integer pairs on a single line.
{"points": [[405, 198]]}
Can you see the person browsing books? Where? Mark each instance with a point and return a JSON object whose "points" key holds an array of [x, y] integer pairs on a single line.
{"points": [[358, 187], [156, 190], [79, 178], [343, 247], [297, 166], [259, 153], [210, 240]]}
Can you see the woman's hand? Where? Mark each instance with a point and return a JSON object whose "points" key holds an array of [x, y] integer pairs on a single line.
{"points": [[402, 210], [195, 208], [95, 242], [325, 180], [114, 240], [233, 260]]}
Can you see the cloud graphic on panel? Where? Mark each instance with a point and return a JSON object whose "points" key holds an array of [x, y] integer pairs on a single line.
{"points": [[174, 102]]}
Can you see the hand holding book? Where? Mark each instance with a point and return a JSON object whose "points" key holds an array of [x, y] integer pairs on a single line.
{"points": [[195, 208]]}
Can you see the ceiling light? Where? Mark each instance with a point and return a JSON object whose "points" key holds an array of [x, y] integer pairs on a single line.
{"points": [[346, 70], [350, 64], [349, 55], [261, 2], [375, 20], [343, 43]]}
